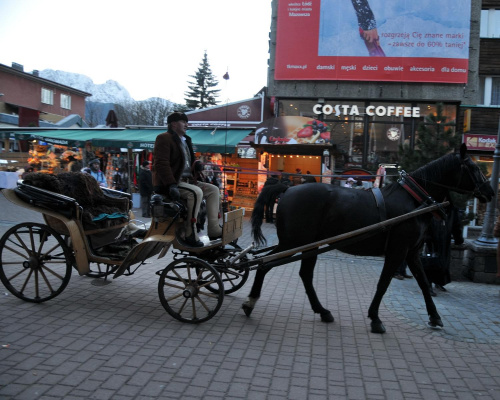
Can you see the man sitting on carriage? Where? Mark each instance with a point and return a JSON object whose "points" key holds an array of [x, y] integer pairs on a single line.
{"points": [[173, 164]]}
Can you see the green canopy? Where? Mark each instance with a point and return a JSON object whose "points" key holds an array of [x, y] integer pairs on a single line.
{"points": [[63, 137], [204, 140]]}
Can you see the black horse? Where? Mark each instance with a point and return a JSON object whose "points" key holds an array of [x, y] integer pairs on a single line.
{"points": [[309, 213]]}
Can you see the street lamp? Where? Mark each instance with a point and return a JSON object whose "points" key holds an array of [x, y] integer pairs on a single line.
{"points": [[486, 237]]}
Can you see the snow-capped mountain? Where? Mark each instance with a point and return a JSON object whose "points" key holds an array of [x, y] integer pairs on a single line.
{"points": [[109, 92]]}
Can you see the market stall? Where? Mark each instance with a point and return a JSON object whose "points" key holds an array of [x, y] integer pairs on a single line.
{"points": [[121, 150]]}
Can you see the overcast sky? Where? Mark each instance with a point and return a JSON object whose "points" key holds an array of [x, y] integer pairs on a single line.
{"points": [[148, 46]]}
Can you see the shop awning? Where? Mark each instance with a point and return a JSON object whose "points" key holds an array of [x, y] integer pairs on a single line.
{"points": [[63, 137], [204, 140]]}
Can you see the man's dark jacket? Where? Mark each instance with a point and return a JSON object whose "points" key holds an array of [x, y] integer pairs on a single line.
{"points": [[168, 160]]}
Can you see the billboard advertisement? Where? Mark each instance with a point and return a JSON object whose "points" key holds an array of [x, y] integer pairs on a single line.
{"points": [[373, 40], [292, 130], [480, 142]]}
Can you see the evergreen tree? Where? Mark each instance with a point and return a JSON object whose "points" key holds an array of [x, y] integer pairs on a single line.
{"points": [[201, 93], [435, 138]]}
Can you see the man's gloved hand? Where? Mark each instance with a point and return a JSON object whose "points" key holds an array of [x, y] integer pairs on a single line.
{"points": [[173, 192]]}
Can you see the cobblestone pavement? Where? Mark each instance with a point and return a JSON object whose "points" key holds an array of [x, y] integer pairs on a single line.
{"points": [[117, 341]]}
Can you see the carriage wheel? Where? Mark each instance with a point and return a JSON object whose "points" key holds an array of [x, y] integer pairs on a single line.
{"points": [[35, 262], [232, 280], [183, 290]]}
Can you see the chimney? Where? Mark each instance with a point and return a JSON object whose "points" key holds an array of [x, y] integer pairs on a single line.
{"points": [[36, 72], [18, 67]]}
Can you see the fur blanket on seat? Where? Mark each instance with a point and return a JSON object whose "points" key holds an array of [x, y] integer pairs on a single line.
{"points": [[84, 189]]}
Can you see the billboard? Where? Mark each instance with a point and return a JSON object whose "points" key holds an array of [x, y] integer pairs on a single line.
{"points": [[480, 142], [373, 40], [292, 130]]}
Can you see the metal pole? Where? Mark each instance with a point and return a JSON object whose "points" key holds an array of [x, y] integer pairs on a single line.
{"points": [[130, 157], [486, 237]]}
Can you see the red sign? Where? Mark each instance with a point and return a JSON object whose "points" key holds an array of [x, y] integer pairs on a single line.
{"points": [[336, 40], [480, 142]]}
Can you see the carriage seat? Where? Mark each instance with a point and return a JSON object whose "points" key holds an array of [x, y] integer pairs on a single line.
{"points": [[97, 204], [163, 207]]}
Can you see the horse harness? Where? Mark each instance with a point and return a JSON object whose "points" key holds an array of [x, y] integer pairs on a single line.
{"points": [[379, 201], [415, 190], [382, 211], [477, 185], [419, 193]]}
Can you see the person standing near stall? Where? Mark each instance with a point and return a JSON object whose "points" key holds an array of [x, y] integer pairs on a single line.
{"points": [[145, 188], [95, 170]]}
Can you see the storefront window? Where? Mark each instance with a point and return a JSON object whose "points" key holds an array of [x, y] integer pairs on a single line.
{"points": [[448, 110], [297, 107], [366, 134], [347, 136], [384, 142]]}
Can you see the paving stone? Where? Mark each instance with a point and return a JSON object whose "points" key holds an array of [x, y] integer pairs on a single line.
{"points": [[117, 341]]}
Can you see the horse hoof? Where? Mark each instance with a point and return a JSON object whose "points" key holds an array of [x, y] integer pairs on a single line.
{"points": [[247, 309], [378, 327], [327, 317], [435, 323]]}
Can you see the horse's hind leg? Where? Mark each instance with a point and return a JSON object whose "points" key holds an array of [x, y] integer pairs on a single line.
{"points": [[254, 295], [306, 274]]}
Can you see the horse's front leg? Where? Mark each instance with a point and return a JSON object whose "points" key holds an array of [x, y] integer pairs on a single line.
{"points": [[391, 264], [415, 266], [254, 295], [306, 274]]}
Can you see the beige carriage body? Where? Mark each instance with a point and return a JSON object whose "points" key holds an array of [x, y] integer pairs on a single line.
{"points": [[160, 235]]}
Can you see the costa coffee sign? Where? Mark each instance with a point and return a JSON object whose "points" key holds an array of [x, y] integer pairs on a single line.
{"points": [[380, 111]]}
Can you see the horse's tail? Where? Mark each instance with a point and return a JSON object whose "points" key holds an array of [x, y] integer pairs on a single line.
{"points": [[268, 192]]}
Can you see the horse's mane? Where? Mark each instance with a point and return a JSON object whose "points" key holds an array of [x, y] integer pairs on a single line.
{"points": [[434, 170]]}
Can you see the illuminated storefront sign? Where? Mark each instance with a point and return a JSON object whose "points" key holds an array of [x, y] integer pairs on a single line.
{"points": [[480, 142], [337, 40], [379, 111]]}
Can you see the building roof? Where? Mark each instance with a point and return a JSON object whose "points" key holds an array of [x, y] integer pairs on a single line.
{"points": [[37, 78]]}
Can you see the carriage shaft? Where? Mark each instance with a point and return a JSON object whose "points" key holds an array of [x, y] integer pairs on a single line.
{"points": [[285, 257]]}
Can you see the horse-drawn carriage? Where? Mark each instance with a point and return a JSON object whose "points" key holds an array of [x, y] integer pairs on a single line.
{"points": [[36, 260]]}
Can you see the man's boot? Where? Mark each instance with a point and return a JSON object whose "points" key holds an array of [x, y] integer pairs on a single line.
{"points": [[191, 238]]}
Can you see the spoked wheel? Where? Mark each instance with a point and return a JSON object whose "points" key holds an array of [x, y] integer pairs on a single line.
{"points": [[184, 293], [232, 280], [35, 262]]}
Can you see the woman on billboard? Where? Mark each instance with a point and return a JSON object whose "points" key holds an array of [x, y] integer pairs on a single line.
{"points": [[368, 27]]}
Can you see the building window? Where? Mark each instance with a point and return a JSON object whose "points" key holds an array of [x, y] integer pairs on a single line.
{"points": [[66, 101], [489, 89], [366, 134], [47, 96], [490, 24]]}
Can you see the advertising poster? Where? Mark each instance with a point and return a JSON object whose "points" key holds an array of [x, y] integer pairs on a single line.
{"points": [[480, 142], [292, 130], [373, 40]]}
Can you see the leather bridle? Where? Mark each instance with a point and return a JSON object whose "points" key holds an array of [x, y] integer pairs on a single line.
{"points": [[476, 192]]}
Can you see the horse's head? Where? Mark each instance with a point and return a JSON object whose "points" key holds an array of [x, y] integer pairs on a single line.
{"points": [[471, 178]]}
